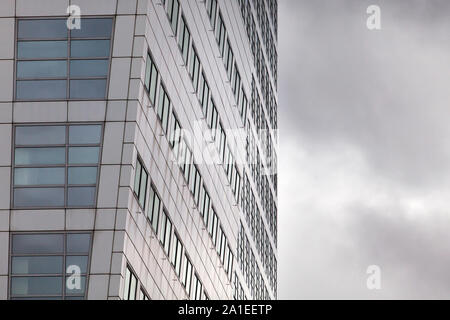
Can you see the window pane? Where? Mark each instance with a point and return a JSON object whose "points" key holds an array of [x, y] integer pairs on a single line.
{"points": [[91, 28], [39, 176], [82, 175], [80, 261], [42, 89], [83, 155], [73, 288], [36, 285], [35, 135], [37, 265], [89, 48], [41, 49], [42, 29], [89, 68], [37, 243], [78, 242], [85, 134], [88, 89], [41, 69], [143, 189], [39, 197], [81, 196], [38, 156]]}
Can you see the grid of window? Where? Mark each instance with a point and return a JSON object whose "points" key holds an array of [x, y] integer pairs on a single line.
{"points": [[184, 155], [56, 166], [51, 266], [55, 63]]}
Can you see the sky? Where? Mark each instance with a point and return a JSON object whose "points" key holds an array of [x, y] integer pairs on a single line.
{"points": [[364, 158]]}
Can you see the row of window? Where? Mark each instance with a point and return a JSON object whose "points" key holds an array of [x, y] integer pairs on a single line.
{"points": [[227, 54], [273, 12], [250, 268], [260, 66], [258, 231], [266, 35], [56, 166], [261, 176], [164, 230], [131, 283], [51, 266], [202, 89], [55, 63], [184, 156], [239, 293], [226, 51], [163, 227]]}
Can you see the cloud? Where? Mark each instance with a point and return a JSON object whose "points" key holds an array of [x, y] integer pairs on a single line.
{"points": [[364, 158]]}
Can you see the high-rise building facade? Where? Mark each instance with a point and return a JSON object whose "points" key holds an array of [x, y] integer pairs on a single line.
{"points": [[138, 149]]}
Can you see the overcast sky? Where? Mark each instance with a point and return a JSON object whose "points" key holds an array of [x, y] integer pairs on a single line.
{"points": [[365, 149]]}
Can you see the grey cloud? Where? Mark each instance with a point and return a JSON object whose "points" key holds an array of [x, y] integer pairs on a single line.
{"points": [[385, 95]]}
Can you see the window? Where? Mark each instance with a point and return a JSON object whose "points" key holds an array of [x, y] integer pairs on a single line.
{"points": [[140, 183], [162, 110], [130, 285], [151, 79], [229, 263], [220, 34], [175, 134], [198, 288], [144, 295], [56, 166], [173, 10], [177, 254], [205, 205], [166, 232], [187, 279], [194, 68], [212, 118], [195, 183], [154, 206], [53, 62], [185, 160], [51, 266], [223, 245], [243, 103], [236, 83], [211, 9], [203, 93], [184, 39], [213, 224], [229, 59]]}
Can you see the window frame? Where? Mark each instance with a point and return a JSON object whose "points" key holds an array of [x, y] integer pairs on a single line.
{"points": [[63, 254], [68, 59], [67, 145]]}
